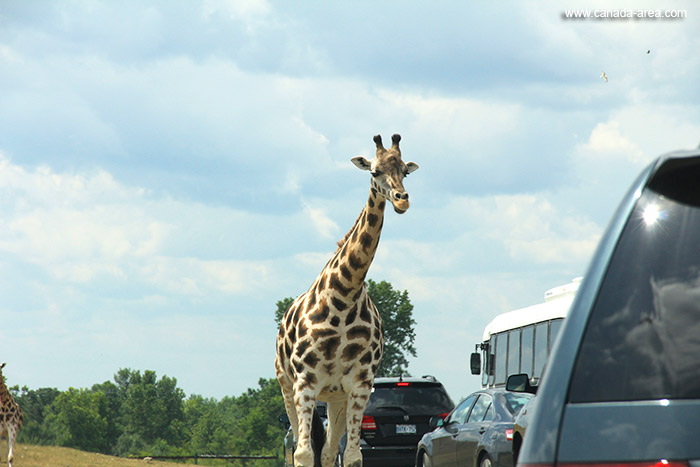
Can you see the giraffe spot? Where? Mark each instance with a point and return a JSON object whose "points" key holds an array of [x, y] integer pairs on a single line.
{"points": [[311, 360], [317, 334], [309, 381], [377, 354], [364, 313], [322, 282], [329, 367], [329, 346], [322, 314], [359, 292], [357, 406], [354, 261], [375, 367], [301, 347], [345, 272], [301, 330], [348, 369], [352, 315], [351, 351], [335, 321], [312, 300], [377, 334], [381, 205], [366, 358], [372, 219], [366, 240], [298, 366], [374, 195], [337, 285], [338, 304], [359, 332]]}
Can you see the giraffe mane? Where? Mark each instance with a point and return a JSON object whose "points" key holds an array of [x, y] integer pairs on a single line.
{"points": [[344, 240]]}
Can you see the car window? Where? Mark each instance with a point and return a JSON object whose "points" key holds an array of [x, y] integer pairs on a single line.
{"points": [[460, 413], [643, 336], [489, 413], [515, 401], [416, 398], [480, 408]]}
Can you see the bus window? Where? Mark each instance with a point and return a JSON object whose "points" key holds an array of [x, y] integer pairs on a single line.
{"points": [[554, 327], [501, 353], [514, 352], [526, 355], [541, 334]]}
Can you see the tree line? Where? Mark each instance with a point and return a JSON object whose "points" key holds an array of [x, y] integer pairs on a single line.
{"points": [[139, 414]]}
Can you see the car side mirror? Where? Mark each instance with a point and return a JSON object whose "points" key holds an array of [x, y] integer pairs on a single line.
{"points": [[284, 420], [476, 363], [520, 383], [322, 410], [436, 422]]}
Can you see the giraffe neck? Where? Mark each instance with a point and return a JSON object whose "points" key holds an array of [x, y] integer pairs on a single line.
{"points": [[348, 267]]}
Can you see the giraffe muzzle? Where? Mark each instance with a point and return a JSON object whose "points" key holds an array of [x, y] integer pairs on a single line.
{"points": [[400, 202]]}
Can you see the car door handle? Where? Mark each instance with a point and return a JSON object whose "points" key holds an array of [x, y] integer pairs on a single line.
{"points": [[482, 430]]}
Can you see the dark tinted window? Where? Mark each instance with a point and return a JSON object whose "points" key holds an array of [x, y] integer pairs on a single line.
{"points": [[526, 357], [541, 336], [643, 337], [514, 352], [501, 354], [415, 398]]}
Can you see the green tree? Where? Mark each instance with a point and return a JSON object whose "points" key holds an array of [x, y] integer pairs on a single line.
{"points": [[35, 405], [396, 311], [152, 410], [282, 306], [76, 421]]}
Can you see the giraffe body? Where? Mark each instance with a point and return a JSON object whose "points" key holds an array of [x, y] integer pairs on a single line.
{"points": [[10, 417], [330, 340]]}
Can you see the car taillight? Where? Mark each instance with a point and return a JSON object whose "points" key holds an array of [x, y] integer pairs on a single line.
{"points": [[659, 463], [368, 423], [509, 434]]}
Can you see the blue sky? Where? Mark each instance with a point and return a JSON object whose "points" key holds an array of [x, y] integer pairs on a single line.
{"points": [[169, 170]]}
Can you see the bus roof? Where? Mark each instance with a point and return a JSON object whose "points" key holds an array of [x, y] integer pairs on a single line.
{"points": [[557, 302]]}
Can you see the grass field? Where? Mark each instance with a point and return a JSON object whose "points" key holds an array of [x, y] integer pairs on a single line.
{"points": [[49, 456]]}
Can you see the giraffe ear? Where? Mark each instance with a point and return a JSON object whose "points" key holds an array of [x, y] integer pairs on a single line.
{"points": [[361, 163], [411, 167]]}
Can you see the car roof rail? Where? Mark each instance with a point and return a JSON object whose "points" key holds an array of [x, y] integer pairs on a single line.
{"points": [[429, 377]]}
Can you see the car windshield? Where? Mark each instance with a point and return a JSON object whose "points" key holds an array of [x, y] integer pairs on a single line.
{"points": [[643, 338], [515, 401], [416, 398]]}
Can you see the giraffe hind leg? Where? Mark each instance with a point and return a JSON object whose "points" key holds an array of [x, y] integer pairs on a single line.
{"points": [[336, 430]]}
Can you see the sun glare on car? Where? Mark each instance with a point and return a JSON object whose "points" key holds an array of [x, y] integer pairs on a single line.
{"points": [[651, 215]]}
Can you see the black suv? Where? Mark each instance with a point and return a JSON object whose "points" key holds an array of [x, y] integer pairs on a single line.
{"points": [[622, 385], [396, 418]]}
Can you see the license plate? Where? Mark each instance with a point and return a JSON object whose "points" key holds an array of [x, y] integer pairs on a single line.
{"points": [[405, 429]]}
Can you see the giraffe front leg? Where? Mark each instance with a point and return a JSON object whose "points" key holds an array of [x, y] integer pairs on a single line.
{"points": [[304, 402], [335, 431], [288, 397], [357, 402], [11, 435]]}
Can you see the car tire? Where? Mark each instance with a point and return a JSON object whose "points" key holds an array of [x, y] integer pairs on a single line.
{"points": [[485, 461], [426, 461]]}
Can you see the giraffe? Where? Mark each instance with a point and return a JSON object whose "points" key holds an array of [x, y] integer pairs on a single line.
{"points": [[330, 340], [10, 417]]}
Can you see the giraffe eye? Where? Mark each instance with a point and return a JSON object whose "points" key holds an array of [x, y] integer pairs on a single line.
{"points": [[376, 173]]}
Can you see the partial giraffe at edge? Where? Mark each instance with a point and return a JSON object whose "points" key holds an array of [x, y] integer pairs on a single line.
{"points": [[10, 417], [330, 340]]}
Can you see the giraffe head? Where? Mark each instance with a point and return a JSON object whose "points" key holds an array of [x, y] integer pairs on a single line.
{"points": [[388, 172]]}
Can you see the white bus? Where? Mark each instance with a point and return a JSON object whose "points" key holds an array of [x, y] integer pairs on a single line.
{"points": [[519, 341]]}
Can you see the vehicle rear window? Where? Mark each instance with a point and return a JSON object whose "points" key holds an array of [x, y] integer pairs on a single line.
{"points": [[642, 341], [416, 398], [515, 401]]}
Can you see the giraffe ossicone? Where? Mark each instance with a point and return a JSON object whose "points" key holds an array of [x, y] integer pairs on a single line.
{"points": [[330, 340], [10, 417]]}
